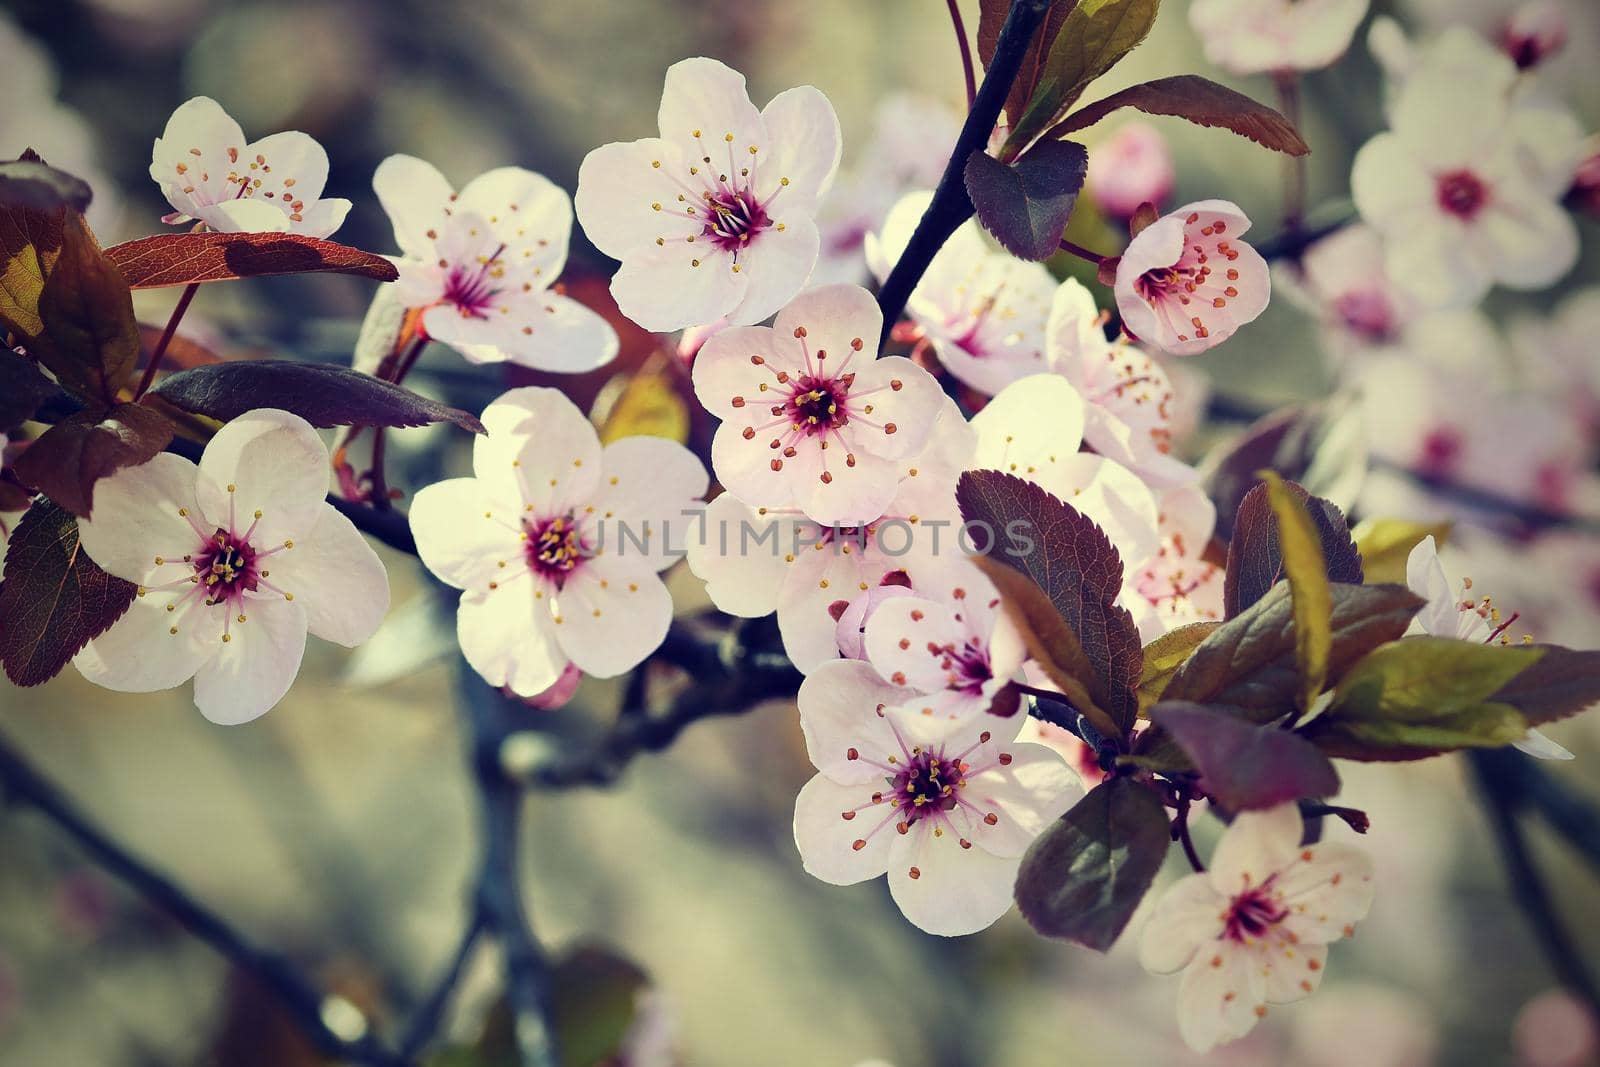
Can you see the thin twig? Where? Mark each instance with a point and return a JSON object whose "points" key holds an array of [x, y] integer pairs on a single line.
{"points": [[167, 335], [1496, 771], [1180, 830], [427, 1016], [951, 206], [300, 1000], [966, 51]]}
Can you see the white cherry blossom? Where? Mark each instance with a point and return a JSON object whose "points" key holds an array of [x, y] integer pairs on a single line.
{"points": [[479, 265], [1254, 929], [757, 560], [1341, 280], [945, 809], [1275, 36], [811, 416], [982, 309], [716, 215], [1467, 616], [235, 559], [1178, 583], [1128, 397], [1187, 282], [209, 172], [556, 542]]}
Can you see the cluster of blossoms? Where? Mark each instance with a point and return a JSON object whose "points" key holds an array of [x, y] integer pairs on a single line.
{"points": [[838, 463]]}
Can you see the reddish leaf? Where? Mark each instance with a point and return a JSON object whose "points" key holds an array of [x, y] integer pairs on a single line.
{"points": [[30, 184], [1201, 101], [991, 16], [1562, 682], [30, 239], [322, 394], [54, 599], [90, 339], [1243, 765], [1076, 566], [185, 258], [77, 452], [22, 389], [1026, 204], [1255, 555], [1084, 876]]}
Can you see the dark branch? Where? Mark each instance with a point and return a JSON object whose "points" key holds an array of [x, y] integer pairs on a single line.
{"points": [[951, 206], [427, 1016], [302, 1001]]}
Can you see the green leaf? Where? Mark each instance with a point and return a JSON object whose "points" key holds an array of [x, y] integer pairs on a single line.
{"points": [[77, 452], [90, 339], [1386, 544], [991, 17], [1420, 696], [1249, 661], [1092, 38], [1084, 876], [1163, 657], [1202, 102], [1243, 765], [30, 241], [1563, 682], [54, 599], [1308, 586], [1070, 559], [1026, 204]]}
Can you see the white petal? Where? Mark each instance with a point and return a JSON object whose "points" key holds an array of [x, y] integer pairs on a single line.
{"points": [[850, 496], [1327, 889], [1425, 577], [1293, 971], [904, 400], [1029, 422], [618, 184], [1218, 997], [821, 575], [899, 636], [1388, 183], [138, 654], [611, 614], [670, 286], [741, 562], [826, 838], [136, 519], [835, 319], [190, 159], [509, 638], [839, 713], [777, 263], [323, 218], [944, 888], [414, 195], [1186, 919], [1027, 794], [299, 167], [276, 464], [805, 143], [465, 537], [1539, 746], [1256, 845], [252, 671], [652, 494], [706, 95], [337, 577], [728, 383], [245, 216], [540, 449], [528, 213]]}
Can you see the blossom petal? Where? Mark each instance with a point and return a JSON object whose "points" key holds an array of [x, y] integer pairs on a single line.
{"points": [[849, 495], [528, 212], [777, 263], [1327, 889], [136, 518], [611, 614], [893, 405], [190, 160], [803, 131], [1293, 971], [651, 484], [508, 636], [1026, 786], [820, 575], [139, 654], [672, 285], [1256, 845], [414, 195], [252, 671], [827, 838], [618, 186], [840, 713], [269, 461], [538, 448], [1187, 918], [464, 536], [1029, 424], [837, 321], [901, 638], [244, 216], [729, 382], [1537, 745], [741, 562], [708, 96], [338, 578], [1219, 997], [944, 888], [1425, 577]]}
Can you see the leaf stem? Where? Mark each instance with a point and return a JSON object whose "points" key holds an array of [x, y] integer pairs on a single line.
{"points": [[1081, 252], [166, 339], [951, 206], [966, 51], [1294, 167], [1180, 830]]}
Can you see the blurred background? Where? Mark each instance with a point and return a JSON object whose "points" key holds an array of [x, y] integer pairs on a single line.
{"points": [[340, 829]]}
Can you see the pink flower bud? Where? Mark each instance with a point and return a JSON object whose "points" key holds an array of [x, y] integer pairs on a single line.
{"points": [[1533, 33], [1132, 167], [695, 336], [1555, 1030], [852, 618], [558, 694]]}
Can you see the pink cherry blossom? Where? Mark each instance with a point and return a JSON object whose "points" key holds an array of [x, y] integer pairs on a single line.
{"points": [[1131, 167], [1128, 397], [479, 264], [235, 559], [1254, 929], [945, 809], [757, 560], [1187, 281], [1181, 586], [1555, 353], [983, 310], [208, 171], [716, 216], [1269, 36], [556, 542], [1534, 32], [811, 417], [1341, 279]]}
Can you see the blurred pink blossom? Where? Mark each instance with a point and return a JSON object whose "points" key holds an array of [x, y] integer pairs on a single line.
{"points": [[1131, 167]]}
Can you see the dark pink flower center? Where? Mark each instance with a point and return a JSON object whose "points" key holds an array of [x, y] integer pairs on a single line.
{"points": [[554, 547], [1253, 913], [226, 567], [928, 784], [1366, 312], [818, 404], [1441, 448], [1461, 193], [733, 219], [472, 289]]}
